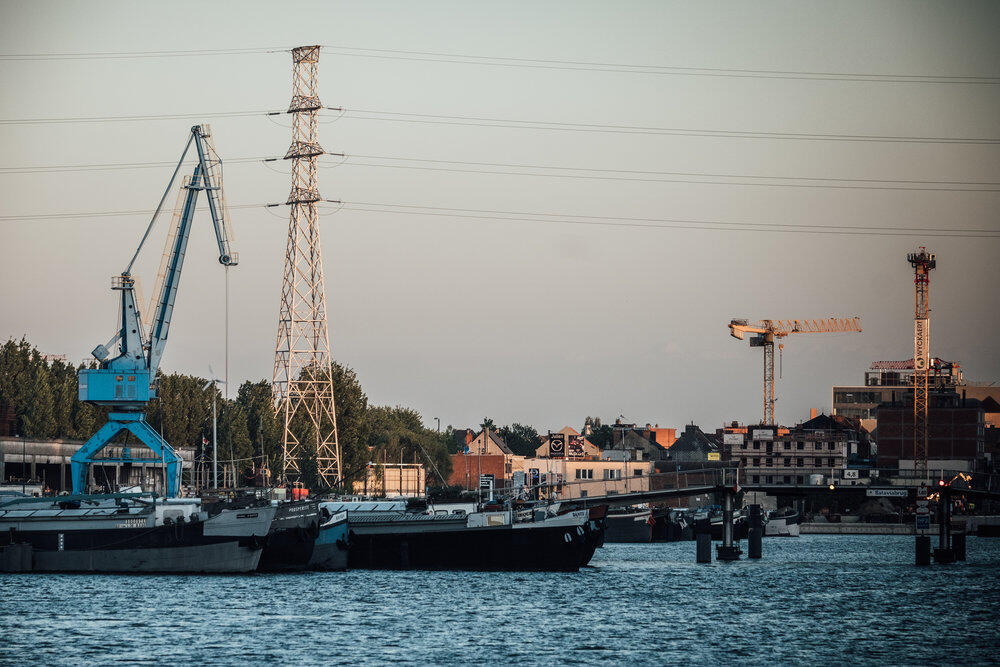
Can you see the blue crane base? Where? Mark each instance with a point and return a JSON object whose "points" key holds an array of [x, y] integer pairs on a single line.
{"points": [[135, 423]]}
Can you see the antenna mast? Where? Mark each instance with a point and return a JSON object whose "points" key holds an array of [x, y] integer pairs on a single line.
{"points": [[303, 380]]}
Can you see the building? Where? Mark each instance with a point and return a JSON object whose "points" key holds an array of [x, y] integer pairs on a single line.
{"points": [[886, 381], [567, 443], [466, 469], [562, 479], [814, 452], [694, 446], [393, 479], [651, 441], [47, 463], [955, 432], [488, 443]]}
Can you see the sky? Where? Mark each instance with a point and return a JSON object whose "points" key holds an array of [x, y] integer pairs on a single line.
{"points": [[524, 318]]}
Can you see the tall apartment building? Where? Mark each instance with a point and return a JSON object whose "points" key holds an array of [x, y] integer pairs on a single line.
{"points": [[955, 432]]}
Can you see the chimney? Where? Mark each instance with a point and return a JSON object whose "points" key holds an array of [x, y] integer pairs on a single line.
{"points": [[812, 413]]}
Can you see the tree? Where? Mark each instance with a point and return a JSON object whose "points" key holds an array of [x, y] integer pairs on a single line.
{"points": [[38, 415], [522, 440], [398, 433], [487, 423], [601, 436]]}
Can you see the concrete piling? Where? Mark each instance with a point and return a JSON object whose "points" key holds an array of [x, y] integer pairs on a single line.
{"points": [[755, 534], [923, 549], [704, 547]]}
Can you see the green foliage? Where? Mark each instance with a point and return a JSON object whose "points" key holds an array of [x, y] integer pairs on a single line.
{"points": [[602, 436], [399, 434], [44, 399], [522, 440]]}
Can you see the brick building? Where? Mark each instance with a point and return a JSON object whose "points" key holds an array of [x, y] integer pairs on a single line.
{"points": [[955, 432]]}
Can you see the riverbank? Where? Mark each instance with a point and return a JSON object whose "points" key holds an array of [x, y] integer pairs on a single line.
{"points": [[972, 524]]}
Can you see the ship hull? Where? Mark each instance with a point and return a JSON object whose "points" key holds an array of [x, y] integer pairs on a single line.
{"points": [[562, 545], [292, 537], [331, 548], [629, 528]]}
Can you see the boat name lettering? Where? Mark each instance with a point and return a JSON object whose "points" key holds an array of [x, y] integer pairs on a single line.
{"points": [[250, 515], [131, 523]]}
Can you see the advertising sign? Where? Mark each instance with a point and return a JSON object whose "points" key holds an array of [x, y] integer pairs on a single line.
{"points": [[732, 438], [575, 445], [714, 456], [557, 444], [921, 344], [763, 434]]}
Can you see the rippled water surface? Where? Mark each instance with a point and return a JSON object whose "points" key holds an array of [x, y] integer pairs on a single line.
{"points": [[815, 599]]}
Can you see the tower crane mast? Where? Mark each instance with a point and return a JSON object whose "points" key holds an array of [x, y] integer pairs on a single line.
{"points": [[923, 263], [767, 331], [127, 381]]}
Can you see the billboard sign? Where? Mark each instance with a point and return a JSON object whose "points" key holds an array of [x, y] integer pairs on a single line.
{"points": [[763, 434], [575, 445], [921, 344], [714, 456], [557, 445], [732, 438]]}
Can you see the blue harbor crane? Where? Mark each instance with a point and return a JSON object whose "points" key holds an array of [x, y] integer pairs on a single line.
{"points": [[126, 381]]}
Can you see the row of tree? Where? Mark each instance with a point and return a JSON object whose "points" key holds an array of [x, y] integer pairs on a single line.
{"points": [[39, 399]]}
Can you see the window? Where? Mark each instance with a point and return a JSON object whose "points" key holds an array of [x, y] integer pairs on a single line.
{"points": [[788, 461], [612, 474], [583, 494], [799, 462], [637, 473], [756, 479], [584, 473], [769, 462], [787, 445], [832, 446], [787, 479], [756, 444], [756, 461], [743, 461], [832, 462], [800, 445], [799, 479]]}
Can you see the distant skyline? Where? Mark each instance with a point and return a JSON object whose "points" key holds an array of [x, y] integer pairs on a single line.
{"points": [[668, 225]]}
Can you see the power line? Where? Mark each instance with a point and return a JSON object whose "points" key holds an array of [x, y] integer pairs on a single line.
{"points": [[480, 121], [98, 214], [667, 223], [49, 168], [104, 55], [109, 119], [758, 181], [574, 172], [579, 65], [569, 218]]}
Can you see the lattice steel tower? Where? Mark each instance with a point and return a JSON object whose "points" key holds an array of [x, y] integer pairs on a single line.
{"points": [[923, 263], [303, 383]]}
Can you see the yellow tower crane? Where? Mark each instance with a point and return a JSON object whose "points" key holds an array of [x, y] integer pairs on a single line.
{"points": [[766, 331]]}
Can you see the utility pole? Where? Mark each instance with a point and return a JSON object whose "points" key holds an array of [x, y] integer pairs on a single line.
{"points": [[303, 378], [923, 263]]}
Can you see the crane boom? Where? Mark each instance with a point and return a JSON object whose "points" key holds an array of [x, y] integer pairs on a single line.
{"points": [[766, 331], [126, 382]]}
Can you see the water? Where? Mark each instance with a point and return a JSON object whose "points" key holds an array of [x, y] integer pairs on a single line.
{"points": [[815, 599]]}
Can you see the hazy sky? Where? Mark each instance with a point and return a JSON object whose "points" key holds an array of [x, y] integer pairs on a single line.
{"points": [[541, 323]]}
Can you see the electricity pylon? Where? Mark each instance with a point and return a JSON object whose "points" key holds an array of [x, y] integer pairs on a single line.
{"points": [[303, 380]]}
